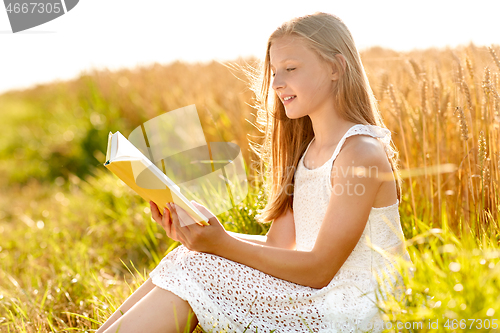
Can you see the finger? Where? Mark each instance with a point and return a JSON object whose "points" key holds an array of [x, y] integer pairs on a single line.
{"points": [[208, 214], [155, 213], [165, 221], [180, 231], [168, 225], [185, 220]]}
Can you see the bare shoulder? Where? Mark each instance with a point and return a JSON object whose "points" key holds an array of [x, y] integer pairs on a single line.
{"points": [[367, 154], [364, 150]]}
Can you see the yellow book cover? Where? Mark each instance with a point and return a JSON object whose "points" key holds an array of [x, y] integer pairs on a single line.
{"points": [[133, 167]]}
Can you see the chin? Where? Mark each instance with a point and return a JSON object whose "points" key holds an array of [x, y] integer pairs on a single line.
{"points": [[290, 116], [294, 115]]}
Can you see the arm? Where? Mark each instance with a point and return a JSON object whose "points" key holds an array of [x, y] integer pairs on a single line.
{"points": [[345, 219], [255, 239], [281, 234]]}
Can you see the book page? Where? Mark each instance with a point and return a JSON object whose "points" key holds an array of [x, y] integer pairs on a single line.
{"points": [[126, 151]]}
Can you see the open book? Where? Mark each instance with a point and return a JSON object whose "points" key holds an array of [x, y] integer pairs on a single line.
{"points": [[144, 177]]}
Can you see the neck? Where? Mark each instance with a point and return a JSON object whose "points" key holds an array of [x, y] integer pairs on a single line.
{"points": [[328, 128]]}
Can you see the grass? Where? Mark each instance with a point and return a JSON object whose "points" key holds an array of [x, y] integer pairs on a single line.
{"points": [[76, 241]]}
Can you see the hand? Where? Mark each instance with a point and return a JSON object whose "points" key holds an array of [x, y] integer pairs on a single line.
{"points": [[165, 221], [178, 223]]}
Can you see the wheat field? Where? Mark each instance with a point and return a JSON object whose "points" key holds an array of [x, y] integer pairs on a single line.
{"points": [[75, 241]]}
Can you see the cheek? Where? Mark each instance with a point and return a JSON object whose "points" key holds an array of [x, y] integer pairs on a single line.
{"points": [[311, 90], [323, 88]]}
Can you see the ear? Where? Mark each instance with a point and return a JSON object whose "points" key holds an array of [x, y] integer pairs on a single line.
{"points": [[336, 73]]}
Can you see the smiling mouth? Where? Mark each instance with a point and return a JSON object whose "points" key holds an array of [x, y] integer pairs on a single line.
{"points": [[289, 99]]}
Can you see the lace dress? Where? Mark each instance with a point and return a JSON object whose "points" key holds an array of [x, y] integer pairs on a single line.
{"points": [[231, 297]]}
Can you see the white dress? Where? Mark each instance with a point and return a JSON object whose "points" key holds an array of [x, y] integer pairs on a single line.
{"points": [[231, 297]]}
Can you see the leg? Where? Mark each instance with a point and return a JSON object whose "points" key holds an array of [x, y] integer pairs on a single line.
{"points": [[129, 302], [158, 311]]}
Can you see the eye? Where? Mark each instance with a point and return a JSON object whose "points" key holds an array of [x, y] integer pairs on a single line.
{"points": [[290, 69]]}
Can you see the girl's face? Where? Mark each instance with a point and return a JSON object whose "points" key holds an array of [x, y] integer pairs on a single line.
{"points": [[298, 72]]}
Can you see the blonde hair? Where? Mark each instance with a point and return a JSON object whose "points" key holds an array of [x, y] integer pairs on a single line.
{"points": [[285, 139]]}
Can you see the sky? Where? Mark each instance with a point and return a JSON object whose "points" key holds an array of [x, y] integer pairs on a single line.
{"points": [[116, 34]]}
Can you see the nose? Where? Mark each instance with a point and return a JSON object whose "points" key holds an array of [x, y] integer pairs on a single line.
{"points": [[277, 82]]}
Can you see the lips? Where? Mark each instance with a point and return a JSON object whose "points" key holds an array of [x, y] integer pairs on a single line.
{"points": [[288, 99]]}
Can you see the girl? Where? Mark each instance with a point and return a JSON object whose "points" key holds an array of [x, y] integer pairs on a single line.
{"points": [[316, 268]]}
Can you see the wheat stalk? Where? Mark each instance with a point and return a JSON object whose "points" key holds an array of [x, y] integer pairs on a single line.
{"points": [[464, 129], [487, 81], [470, 68], [418, 73], [482, 148], [424, 97], [383, 85], [459, 72], [394, 102], [492, 91], [494, 55], [484, 165], [466, 91], [487, 175], [440, 79], [435, 96], [397, 109]]}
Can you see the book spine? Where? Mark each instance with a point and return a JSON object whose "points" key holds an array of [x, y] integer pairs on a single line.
{"points": [[108, 150]]}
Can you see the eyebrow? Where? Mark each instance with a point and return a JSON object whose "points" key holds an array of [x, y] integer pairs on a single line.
{"points": [[284, 60]]}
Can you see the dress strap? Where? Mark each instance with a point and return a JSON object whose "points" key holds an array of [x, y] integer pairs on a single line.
{"points": [[337, 148], [383, 134], [304, 153]]}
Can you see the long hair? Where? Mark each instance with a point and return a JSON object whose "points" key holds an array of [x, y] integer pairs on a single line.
{"points": [[285, 139]]}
